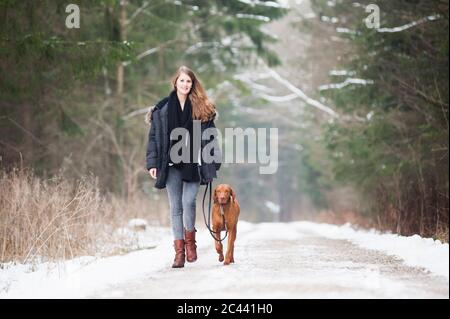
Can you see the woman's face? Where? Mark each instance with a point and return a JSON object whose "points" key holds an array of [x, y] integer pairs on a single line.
{"points": [[184, 84]]}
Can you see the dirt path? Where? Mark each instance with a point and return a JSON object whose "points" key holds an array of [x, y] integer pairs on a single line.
{"points": [[281, 261]]}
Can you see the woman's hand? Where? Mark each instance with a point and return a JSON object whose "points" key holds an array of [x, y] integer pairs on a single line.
{"points": [[152, 172]]}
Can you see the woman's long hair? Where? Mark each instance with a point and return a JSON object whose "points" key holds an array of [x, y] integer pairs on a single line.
{"points": [[202, 108]]}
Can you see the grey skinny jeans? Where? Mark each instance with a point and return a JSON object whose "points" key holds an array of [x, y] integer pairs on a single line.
{"points": [[182, 197]]}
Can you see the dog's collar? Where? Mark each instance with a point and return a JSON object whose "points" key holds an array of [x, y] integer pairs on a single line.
{"points": [[222, 212]]}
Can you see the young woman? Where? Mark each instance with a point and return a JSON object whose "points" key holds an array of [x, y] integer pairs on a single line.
{"points": [[187, 102]]}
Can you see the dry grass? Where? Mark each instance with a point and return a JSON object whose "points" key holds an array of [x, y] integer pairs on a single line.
{"points": [[442, 234], [344, 217], [59, 219], [360, 221]]}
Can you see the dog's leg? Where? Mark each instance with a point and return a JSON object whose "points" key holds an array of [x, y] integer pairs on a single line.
{"points": [[229, 258], [232, 252], [219, 247]]}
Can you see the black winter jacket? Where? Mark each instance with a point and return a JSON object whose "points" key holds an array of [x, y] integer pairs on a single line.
{"points": [[158, 147]]}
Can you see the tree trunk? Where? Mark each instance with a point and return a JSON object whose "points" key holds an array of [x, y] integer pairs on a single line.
{"points": [[122, 38], [27, 148]]}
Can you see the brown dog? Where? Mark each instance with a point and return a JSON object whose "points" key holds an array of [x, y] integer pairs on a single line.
{"points": [[225, 197]]}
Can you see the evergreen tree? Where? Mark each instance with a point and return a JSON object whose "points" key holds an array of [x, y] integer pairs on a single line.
{"points": [[396, 149]]}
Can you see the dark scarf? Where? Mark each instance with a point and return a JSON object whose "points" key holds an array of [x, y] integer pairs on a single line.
{"points": [[182, 118]]}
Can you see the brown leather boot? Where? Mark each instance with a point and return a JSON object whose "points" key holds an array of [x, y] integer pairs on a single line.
{"points": [[179, 253], [191, 247]]}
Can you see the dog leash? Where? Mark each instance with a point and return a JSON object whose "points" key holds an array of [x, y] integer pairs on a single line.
{"points": [[208, 222]]}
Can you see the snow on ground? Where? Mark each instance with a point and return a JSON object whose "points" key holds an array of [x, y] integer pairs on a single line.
{"points": [[83, 277], [414, 250]]}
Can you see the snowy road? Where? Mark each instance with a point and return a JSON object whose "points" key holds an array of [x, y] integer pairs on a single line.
{"points": [[287, 261]]}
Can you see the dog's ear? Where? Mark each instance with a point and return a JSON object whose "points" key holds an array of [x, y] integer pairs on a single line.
{"points": [[216, 200], [232, 194]]}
